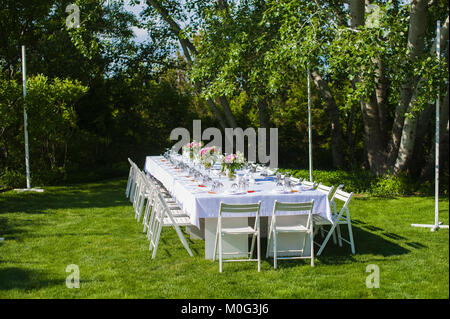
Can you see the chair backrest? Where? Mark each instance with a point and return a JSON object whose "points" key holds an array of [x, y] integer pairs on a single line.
{"points": [[342, 196], [239, 208], [295, 180], [293, 207], [309, 184], [325, 189]]}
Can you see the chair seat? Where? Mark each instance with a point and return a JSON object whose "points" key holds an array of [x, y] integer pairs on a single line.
{"points": [[181, 221], [178, 213], [291, 229], [319, 220], [239, 230]]}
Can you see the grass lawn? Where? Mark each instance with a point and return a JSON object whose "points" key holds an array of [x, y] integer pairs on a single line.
{"points": [[93, 226]]}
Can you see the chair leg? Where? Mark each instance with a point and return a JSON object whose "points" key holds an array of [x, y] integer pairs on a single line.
{"points": [[350, 234], [258, 247], [268, 243], [326, 239], [312, 248], [215, 246], [220, 251], [252, 247], [338, 230], [183, 240], [156, 241], [274, 249], [334, 238]]}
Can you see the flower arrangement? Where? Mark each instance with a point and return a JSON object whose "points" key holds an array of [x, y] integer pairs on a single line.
{"points": [[209, 155], [233, 162], [192, 148]]}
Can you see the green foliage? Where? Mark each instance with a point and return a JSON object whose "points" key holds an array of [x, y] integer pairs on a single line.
{"points": [[364, 182], [390, 185], [12, 179]]}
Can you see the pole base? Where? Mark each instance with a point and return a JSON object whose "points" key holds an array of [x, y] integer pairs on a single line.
{"points": [[36, 190], [432, 227]]}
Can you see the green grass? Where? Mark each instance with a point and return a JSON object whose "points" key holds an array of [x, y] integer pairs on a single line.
{"points": [[93, 226]]}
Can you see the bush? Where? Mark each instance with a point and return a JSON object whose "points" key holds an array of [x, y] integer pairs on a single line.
{"points": [[355, 181], [390, 185], [13, 179], [362, 181]]}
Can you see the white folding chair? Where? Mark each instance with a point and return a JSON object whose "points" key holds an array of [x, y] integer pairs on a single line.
{"points": [[136, 171], [328, 190], [343, 217], [309, 184], [140, 194], [152, 193], [307, 229], [130, 178], [295, 180], [246, 230], [164, 218], [318, 220]]}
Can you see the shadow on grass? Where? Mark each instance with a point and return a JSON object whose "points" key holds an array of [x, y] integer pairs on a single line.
{"points": [[25, 279], [98, 195], [366, 242]]}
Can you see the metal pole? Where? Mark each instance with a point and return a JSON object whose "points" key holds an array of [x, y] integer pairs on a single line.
{"points": [[436, 181], [25, 117], [437, 225], [309, 129]]}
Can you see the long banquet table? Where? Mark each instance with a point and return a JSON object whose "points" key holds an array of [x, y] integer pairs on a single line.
{"points": [[198, 203]]}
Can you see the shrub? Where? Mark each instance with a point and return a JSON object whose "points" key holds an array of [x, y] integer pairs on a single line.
{"points": [[13, 179], [362, 181], [390, 185]]}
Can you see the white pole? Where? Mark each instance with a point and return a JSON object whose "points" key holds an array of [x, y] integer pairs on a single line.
{"points": [[436, 178], [309, 129], [25, 117], [437, 224]]}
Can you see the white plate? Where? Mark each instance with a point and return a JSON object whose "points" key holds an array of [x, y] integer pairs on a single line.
{"points": [[236, 193], [279, 191]]}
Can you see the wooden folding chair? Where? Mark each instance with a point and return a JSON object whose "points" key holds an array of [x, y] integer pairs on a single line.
{"points": [[343, 217], [306, 229], [164, 218], [246, 230]]}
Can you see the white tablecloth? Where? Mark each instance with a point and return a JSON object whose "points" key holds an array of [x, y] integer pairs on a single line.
{"points": [[198, 203]]}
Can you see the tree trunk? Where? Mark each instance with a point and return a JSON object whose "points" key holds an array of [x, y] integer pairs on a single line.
{"points": [[357, 11], [189, 50], [407, 142], [381, 93], [333, 113], [372, 136], [416, 37]]}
